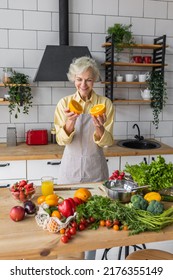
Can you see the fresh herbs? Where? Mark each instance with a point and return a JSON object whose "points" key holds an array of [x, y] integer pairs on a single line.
{"points": [[104, 208], [122, 36], [158, 174]]}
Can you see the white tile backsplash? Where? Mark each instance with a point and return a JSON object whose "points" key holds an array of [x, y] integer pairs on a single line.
{"points": [[11, 19], [105, 8], [92, 23], [22, 39], [37, 20], [22, 4], [11, 58], [134, 8], [155, 9]]}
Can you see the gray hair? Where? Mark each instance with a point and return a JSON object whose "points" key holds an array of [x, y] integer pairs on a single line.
{"points": [[80, 65]]}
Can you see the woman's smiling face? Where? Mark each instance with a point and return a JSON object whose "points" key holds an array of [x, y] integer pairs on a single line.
{"points": [[84, 84]]}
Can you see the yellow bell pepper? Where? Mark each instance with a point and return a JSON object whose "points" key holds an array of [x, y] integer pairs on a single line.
{"points": [[152, 196], [52, 200]]}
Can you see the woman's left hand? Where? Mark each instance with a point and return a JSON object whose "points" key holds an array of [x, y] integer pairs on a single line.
{"points": [[99, 125]]}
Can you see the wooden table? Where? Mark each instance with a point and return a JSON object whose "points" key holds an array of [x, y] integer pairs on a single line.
{"points": [[26, 240]]}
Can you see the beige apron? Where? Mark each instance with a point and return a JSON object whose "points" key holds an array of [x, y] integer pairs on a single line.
{"points": [[83, 160]]}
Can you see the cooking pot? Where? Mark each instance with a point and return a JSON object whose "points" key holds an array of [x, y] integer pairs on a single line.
{"points": [[121, 190]]}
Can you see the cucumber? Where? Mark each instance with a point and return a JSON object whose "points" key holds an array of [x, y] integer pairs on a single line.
{"points": [[166, 197]]}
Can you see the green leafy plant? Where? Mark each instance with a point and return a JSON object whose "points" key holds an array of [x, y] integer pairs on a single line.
{"points": [[122, 36], [158, 93], [20, 97]]}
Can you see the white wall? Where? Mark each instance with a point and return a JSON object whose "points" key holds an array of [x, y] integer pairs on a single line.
{"points": [[26, 27]]}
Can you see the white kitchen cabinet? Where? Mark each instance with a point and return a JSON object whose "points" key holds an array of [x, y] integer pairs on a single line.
{"points": [[12, 171], [113, 164], [168, 158], [133, 160], [39, 168]]}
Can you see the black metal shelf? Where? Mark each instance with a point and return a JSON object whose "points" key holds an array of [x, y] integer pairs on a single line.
{"points": [[158, 61]]}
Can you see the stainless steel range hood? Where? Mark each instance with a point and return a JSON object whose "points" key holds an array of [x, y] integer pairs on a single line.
{"points": [[56, 59]]}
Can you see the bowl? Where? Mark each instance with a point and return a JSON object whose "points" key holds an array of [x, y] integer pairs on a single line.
{"points": [[121, 190], [23, 192]]}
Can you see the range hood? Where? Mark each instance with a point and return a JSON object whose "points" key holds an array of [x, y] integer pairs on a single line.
{"points": [[56, 59]]}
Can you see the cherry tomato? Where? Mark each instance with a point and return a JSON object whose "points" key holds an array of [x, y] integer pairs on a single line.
{"points": [[116, 222], [68, 234], [81, 226], [73, 224], [108, 223], [92, 219], [115, 227], [72, 230], [64, 239], [62, 231], [102, 223], [125, 227]]}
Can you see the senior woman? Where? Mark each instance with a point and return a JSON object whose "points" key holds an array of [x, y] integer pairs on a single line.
{"points": [[83, 136]]}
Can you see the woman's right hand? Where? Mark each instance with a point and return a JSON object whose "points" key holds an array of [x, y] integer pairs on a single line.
{"points": [[70, 122]]}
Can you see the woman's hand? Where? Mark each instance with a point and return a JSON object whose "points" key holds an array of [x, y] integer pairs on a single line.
{"points": [[99, 125], [71, 120]]}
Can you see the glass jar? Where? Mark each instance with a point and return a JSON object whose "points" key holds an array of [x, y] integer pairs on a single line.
{"points": [[53, 135], [7, 73]]}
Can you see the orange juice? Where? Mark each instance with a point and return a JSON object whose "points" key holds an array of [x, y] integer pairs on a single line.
{"points": [[47, 185]]}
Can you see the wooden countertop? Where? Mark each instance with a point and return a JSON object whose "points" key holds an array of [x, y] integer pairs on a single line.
{"points": [[26, 240], [53, 151]]}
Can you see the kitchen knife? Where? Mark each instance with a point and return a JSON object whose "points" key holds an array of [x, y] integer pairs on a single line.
{"points": [[69, 188]]}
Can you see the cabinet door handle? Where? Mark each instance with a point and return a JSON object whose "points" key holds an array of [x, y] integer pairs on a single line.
{"points": [[4, 165], [5, 186], [54, 163]]}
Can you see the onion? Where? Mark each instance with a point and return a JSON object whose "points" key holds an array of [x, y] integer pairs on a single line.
{"points": [[30, 207]]}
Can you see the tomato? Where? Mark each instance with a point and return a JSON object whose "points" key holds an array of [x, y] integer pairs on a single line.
{"points": [[73, 224], [92, 219], [81, 226], [116, 222], [108, 223], [64, 239], [68, 234], [62, 231], [125, 227], [116, 227], [102, 223], [72, 230]]}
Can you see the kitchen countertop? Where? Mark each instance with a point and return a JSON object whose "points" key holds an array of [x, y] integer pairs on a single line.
{"points": [[53, 151], [26, 240]]}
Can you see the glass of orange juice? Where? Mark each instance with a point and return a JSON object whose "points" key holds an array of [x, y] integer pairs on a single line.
{"points": [[47, 183]]}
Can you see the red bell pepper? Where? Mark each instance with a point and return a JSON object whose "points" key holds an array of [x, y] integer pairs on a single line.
{"points": [[65, 208]]}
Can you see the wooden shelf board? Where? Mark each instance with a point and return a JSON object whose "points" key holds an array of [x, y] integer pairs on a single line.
{"points": [[4, 102], [125, 83], [2, 85], [131, 101], [138, 46], [133, 64]]}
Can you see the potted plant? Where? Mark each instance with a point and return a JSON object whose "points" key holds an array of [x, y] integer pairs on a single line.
{"points": [[158, 94], [122, 37], [20, 97]]}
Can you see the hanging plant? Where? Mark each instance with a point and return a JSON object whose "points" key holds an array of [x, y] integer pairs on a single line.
{"points": [[158, 93], [20, 97], [122, 37]]}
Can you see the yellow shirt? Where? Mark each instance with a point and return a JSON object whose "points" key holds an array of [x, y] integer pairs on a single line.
{"points": [[60, 118]]}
